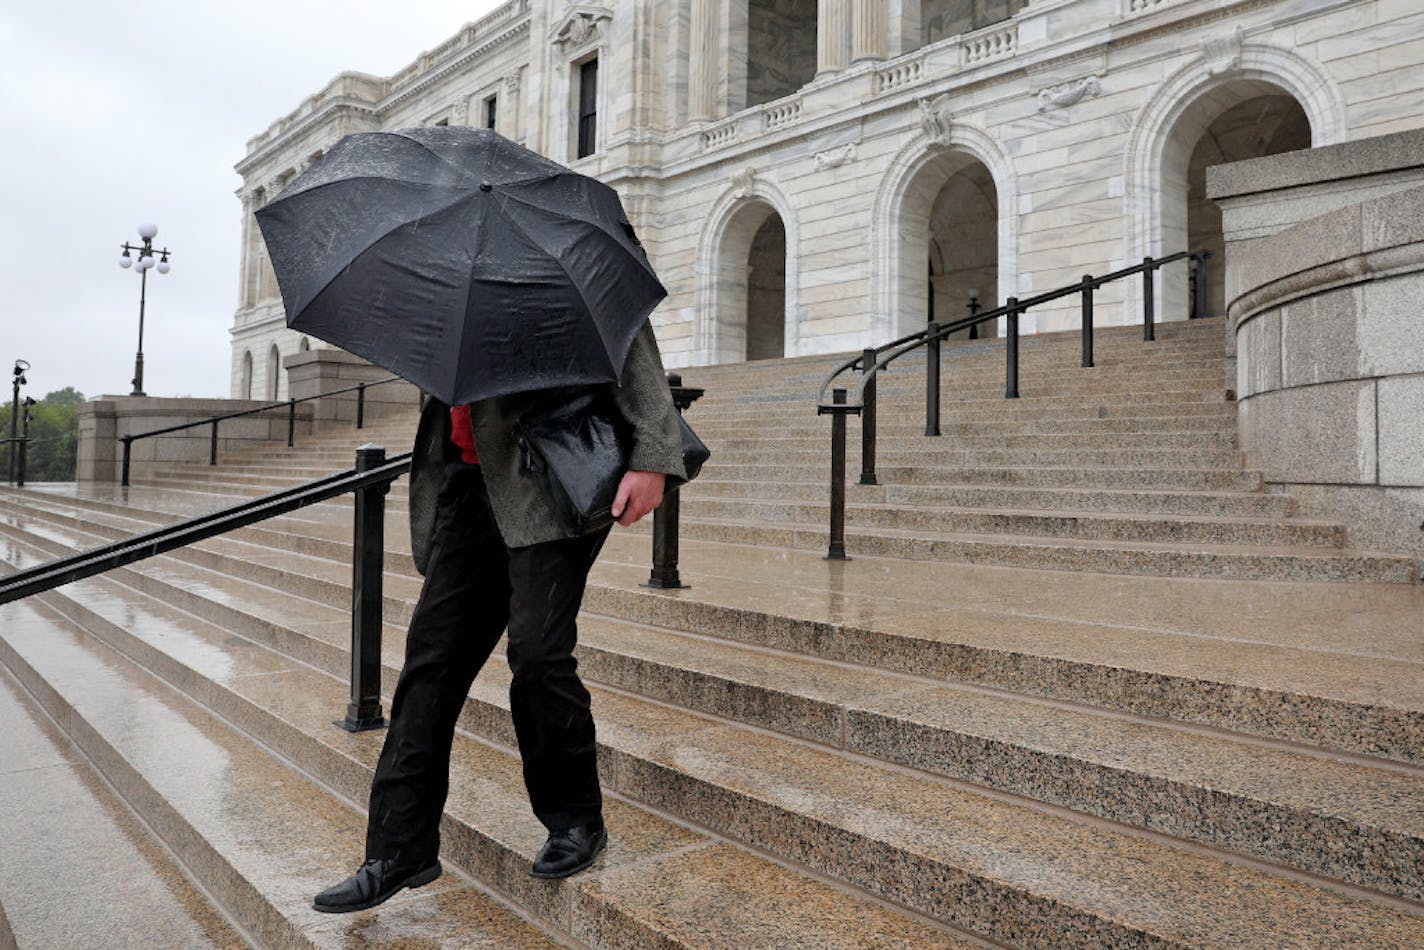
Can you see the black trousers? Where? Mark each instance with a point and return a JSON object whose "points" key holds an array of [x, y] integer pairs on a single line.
{"points": [[474, 588]]}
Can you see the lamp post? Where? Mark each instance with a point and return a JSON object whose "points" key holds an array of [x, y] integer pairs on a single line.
{"points": [[145, 261], [974, 312], [18, 381]]}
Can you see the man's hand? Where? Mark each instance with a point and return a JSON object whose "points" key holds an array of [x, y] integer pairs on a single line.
{"points": [[638, 494]]}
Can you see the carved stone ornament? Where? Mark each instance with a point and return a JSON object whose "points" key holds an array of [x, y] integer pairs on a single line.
{"points": [[835, 157], [1222, 51], [459, 112], [580, 24], [1066, 94], [511, 82], [936, 120], [744, 181]]}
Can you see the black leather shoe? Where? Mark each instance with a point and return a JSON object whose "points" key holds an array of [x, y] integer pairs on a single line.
{"points": [[570, 850], [373, 884]]}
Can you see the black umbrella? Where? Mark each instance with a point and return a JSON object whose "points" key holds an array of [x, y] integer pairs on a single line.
{"points": [[460, 261]]}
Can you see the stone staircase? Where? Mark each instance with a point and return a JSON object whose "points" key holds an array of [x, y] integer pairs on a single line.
{"points": [[1083, 684]]}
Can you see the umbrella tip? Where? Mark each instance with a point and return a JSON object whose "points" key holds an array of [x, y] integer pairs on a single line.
{"points": [[485, 186]]}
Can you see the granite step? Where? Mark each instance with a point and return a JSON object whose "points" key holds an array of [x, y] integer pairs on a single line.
{"points": [[1220, 547], [1107, 556], [1097, 526], [909, 440], [1031, 455], [660, 883], [1145, 501], [965, 859], [1237, 661], [75, 860], [257, 834], [1045, 476]]}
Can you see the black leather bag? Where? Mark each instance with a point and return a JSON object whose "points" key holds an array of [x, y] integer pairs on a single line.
{"points": [[580, 448]]}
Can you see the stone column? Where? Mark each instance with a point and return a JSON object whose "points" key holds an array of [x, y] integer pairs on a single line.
{"points": [[832, 36], [868, 31], [702, 61]]}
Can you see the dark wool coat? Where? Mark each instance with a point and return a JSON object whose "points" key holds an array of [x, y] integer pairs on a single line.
{"points": [[522, 507]]}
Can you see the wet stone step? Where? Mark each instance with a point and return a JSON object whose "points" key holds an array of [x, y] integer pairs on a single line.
{"points": [[771, 807], [490, 833]]}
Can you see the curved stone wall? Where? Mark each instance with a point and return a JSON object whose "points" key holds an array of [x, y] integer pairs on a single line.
{"points": [[1329, 324]]}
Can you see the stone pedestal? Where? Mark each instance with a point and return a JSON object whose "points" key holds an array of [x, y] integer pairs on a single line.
{"points": [[104, 421], [325, 371], [1328, 327]]}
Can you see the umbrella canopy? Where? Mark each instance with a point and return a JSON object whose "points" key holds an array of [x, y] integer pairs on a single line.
{"points": [[460, 261]]}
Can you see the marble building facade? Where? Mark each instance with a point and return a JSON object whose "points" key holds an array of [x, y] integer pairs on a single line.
{"points": [[814, 176]]}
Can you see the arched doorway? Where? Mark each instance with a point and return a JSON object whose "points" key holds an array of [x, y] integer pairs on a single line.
{"points": [[948, 219], [750, 293], [963, 247], [1269, 122], [246, 391], [1165, 136]]}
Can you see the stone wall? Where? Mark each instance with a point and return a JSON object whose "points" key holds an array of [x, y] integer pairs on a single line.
{"points": [[1084, 114], [1328, 321], [104, 421]]}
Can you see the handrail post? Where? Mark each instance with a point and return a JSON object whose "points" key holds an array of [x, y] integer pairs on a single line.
{"points": [[128, 452], [367, 569], [836, 551], [664, 575], [1087, 320], [1199, 285], [1149, 302], [1011, 385], [360, 405], [291, 422], [867, 419], [932, 379], [213, 445]]}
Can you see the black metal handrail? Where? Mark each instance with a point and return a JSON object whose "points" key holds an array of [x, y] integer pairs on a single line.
{"points": [[290, 405], [832, 400], [84, 564], [369, 480]]}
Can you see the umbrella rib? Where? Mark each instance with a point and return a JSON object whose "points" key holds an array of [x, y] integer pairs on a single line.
{"points": [[534, 241], [405, 221]]}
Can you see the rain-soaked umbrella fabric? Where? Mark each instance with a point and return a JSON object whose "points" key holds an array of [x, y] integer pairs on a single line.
{"points": [[460, 261]]}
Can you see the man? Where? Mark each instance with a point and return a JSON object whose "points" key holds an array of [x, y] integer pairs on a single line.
{"points": [[495, 553]]}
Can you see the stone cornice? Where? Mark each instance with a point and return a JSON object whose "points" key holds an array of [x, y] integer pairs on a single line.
{"points": [[473, 41]]}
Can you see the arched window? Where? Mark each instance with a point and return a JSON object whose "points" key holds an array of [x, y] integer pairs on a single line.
{"points": [[246, 391], [304, 346], [274, 364]]}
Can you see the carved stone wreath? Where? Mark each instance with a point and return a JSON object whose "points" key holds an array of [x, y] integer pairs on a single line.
{"points": [[580, 24]]}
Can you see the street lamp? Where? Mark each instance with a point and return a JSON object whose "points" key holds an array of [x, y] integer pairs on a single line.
{"points": [[145, 261], [18, 381]]}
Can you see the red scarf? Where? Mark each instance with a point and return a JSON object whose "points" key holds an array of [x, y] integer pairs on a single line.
{"points": [[462, 435]]}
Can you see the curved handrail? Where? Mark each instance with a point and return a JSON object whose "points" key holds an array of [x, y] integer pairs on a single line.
{"points": [[913, 341], [873, 360]]}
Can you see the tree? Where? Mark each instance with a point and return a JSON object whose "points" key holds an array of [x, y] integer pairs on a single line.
{"points": [[54, 436]]}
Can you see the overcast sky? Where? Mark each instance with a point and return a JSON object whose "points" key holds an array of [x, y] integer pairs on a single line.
{"points": [[114, 114]]}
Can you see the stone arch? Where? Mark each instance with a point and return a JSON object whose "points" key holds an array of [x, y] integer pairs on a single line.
{"points": [[1181, 109], [736, 218], [304, 346], [246, 391], [898, 279], [274, 376]]}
